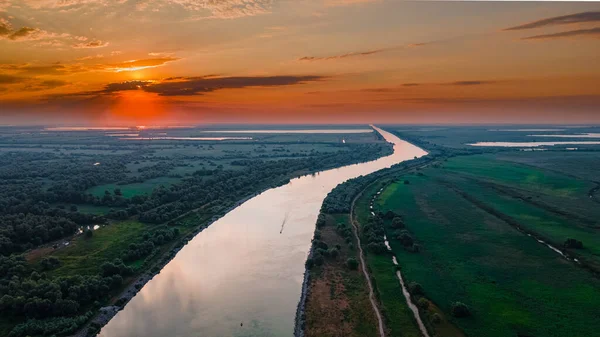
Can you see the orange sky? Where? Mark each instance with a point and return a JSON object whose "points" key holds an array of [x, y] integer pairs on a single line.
{"points": [[144, 62]]}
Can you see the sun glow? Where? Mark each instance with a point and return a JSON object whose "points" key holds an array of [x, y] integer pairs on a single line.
{"points": [[137, 107]]}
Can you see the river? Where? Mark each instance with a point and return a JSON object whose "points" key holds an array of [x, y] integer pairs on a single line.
{"points": [[242, 276]]}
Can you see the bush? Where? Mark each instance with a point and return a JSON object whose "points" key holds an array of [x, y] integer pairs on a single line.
{"points": [[436, 318], [572, 243], [423, 303], [352, 263], [333, 252], [318, 260], [309, 263], [415, 288], [397, 223], [460, 309]]}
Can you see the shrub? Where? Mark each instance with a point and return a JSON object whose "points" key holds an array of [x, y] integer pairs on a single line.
{"points": [[436, 318], [397, 223], [318, 260], [415, 288], [352, 263], [460, 309], [333, 252], [309, 263], [573, 243], [423, 303]]}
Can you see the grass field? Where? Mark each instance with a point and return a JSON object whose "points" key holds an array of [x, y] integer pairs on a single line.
{"points": [[399, 319], [513, 285]]}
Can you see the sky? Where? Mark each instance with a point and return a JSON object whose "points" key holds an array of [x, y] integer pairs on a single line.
{"points": [[193, 62]]}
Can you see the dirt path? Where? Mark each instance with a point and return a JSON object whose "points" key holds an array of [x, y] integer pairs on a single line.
{"points": [[364, 268]]}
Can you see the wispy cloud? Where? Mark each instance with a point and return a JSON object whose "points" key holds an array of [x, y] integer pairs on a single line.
{"points": [[58, 69], [359, 53], [593, 32], [135, 65], [560, 20], [341, 56]]}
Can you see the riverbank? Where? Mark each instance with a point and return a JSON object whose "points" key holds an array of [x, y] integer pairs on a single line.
{"points": [[154, 269], [106, 313], [333, 307]]}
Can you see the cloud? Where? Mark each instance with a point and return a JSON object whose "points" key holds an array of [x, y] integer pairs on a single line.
{"points": [[360, 53], [9, 79], [593, 32], [36, 34], [347, 2], [560, 20], [91, 44], [227, 9], [411, 84], [57, 69], [469, 83], [190, 86], [134, 65], [341, 56], [10, 83]]}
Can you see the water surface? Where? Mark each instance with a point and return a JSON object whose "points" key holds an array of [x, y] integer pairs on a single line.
{"points": [[534, 144], [246, 267], [334, 131]]}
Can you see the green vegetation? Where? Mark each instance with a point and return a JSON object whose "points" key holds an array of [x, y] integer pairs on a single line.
{"points": [[470, 217]]}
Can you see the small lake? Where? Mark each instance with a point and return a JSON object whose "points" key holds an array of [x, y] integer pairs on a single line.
{"points": [[247, 267], [533, 144], [291, 131]]}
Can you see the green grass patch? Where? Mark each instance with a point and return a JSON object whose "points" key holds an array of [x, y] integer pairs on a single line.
{"points": [[512, 284]]}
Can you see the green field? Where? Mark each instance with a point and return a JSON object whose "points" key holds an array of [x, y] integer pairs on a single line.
{"points": [[513, 285]]}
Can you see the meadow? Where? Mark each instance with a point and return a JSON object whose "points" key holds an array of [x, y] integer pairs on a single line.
{"points": [[512, 284]]}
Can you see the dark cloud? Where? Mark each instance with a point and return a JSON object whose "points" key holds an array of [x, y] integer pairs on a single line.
{"points": [[9, 79], [129, 85], [189, 86], [200, 85], [5, 28], [593, 32], [23, 33], [560, 20], [467, 83], [411, 84]]}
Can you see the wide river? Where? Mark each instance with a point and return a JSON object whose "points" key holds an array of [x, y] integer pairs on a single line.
{"points": [[247, 267]]}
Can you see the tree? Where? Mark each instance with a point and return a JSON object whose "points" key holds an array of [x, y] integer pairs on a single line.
{"points": [[423, 303], [318, 260], [49, 263], [460, 309], [436, 318], [73, 208], [352, 263], [117, 191], [397, 223], [309, 263], [88, 233]]}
